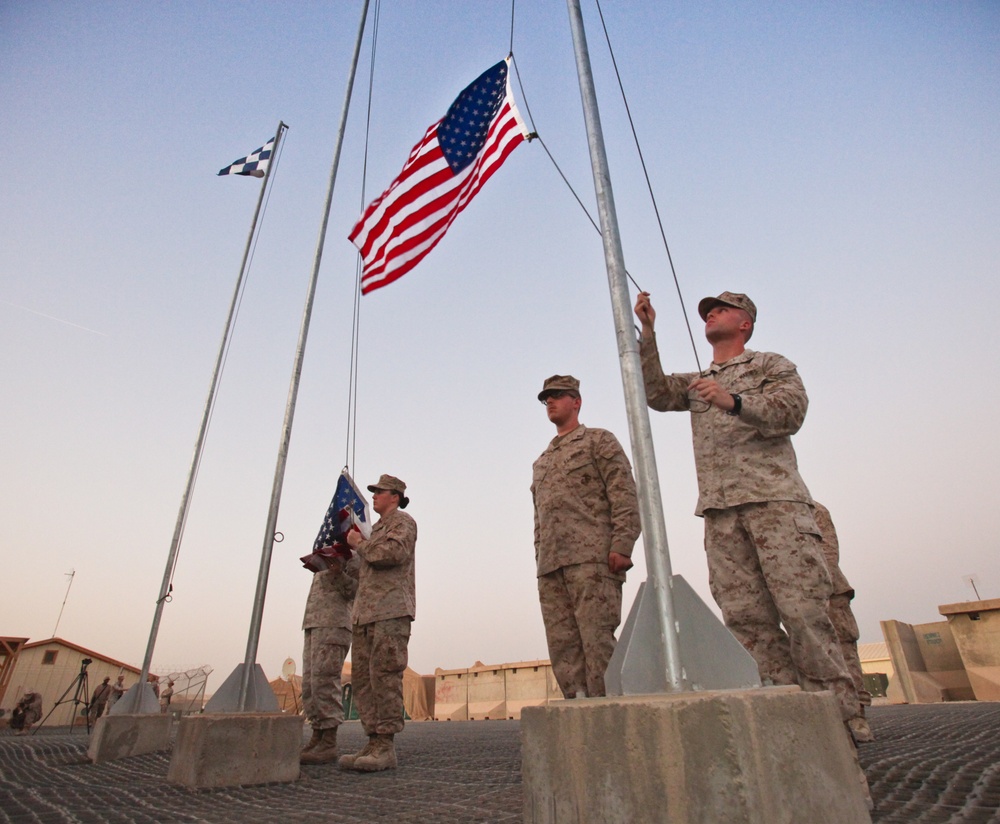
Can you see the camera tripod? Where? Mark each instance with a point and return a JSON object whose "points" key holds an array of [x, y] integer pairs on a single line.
{"points": [[81, 696]]}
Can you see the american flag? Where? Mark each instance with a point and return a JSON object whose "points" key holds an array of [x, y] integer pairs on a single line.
{"points": [[254, 164], [445, 170], [347, 509]]}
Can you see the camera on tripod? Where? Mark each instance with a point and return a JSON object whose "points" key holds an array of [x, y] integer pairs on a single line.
{"points": [[85, 662]]}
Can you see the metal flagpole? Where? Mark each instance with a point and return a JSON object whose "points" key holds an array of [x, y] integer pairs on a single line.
{"points": [[654, 529], [135, 700], [250, 661]]}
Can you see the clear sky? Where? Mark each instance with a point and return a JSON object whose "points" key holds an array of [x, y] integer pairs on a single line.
{"points": [[837, 161]]}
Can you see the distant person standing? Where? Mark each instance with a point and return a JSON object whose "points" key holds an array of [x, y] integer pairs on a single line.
{"points": [[117, 691], [383, 611], [28, 711], [166, 695], [844, 622], [765, 563], [99, 700], [327, 628], [586, 524]]}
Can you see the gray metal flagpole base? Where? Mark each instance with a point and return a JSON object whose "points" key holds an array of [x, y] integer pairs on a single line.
{"points": [[712, 658], [148, 702], [260, 696]]}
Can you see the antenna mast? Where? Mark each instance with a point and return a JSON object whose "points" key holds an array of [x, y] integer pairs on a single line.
{"points": [[71, 574]]}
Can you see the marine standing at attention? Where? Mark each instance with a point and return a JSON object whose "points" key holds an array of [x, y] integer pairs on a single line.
{"points": [[586, 523]]}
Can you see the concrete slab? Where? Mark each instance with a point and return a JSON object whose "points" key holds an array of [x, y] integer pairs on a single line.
{"points": [[122, 736], [236, 749], [738, 756]]}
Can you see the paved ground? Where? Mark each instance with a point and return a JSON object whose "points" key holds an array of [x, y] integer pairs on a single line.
{"points": [[938, 763]]}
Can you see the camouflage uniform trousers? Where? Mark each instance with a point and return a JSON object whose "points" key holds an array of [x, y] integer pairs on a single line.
{"points": [[766, 571], [378, 662], [323, 654], [846, 627], [581, 608]]}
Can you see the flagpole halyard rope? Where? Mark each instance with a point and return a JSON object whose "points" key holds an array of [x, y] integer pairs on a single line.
{"points": [[350, 447], [536, 136], [649, 185]]}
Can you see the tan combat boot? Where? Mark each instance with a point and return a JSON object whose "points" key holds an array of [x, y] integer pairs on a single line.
{"points": [[324, 752], [860, 730], [382, 756], [316, 736], [346, 762]]}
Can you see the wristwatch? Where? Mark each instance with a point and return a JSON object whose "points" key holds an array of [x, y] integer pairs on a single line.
{"points": [[737, 406]]}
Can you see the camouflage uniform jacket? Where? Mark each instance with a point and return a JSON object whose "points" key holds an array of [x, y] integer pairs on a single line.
{"points": [[747, 458], [331, 597], [387, 587], [585, 501]]}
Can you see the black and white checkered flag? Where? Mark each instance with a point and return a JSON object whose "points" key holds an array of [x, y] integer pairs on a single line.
{"points": [[254, 164]]}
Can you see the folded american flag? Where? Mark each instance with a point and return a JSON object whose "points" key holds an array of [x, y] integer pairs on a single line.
{"points": [[348, 510]]}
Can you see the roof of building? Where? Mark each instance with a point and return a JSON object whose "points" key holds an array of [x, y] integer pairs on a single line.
{"points": [[114, 661], [877, 651]]}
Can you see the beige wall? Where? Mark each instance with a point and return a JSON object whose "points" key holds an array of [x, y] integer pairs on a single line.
{"points": [[975, 626], [493, 690]]}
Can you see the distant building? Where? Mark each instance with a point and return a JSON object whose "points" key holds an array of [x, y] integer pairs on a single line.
{"points": [[53, 669]]}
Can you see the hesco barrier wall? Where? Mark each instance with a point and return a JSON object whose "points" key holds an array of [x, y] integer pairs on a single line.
{"points": [[493, 691]]}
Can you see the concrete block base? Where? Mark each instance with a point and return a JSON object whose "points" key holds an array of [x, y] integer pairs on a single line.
{"points": [[736, 756], [122, 736], [242, 748]]}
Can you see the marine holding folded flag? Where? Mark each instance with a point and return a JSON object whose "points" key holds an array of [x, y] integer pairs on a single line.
{"points": [[327, 620], [586, 524]]}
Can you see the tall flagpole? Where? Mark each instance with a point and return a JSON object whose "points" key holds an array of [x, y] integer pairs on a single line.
{"points": [[654, 529], [253, 639], [168, 573]]}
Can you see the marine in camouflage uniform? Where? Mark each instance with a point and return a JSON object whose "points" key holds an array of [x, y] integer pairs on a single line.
{"points": [[383, 610], [765, 561], [327, 628], [843, 620], [586, 524]]}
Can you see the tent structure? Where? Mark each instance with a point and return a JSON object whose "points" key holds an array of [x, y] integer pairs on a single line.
{"points": [[416, 700], [415, 693]]}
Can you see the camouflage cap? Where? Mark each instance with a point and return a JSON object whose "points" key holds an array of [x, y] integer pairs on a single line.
{"points": [[388, 482], [559, 383], [392, 484], [737, 299]]}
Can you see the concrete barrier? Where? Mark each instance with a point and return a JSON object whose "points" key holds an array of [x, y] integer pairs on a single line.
{"points": [[927, 663], [527, 685], [487, 693], [122, 736], [451, 695], [737, 756], [975, 626], [233, 749]]}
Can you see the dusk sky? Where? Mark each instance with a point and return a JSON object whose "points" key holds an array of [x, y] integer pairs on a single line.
{"points": [[837, 161]]}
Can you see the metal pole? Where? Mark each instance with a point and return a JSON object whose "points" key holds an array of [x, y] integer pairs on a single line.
{"points": [[293, 390], [182, 513], [654, 529]]}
